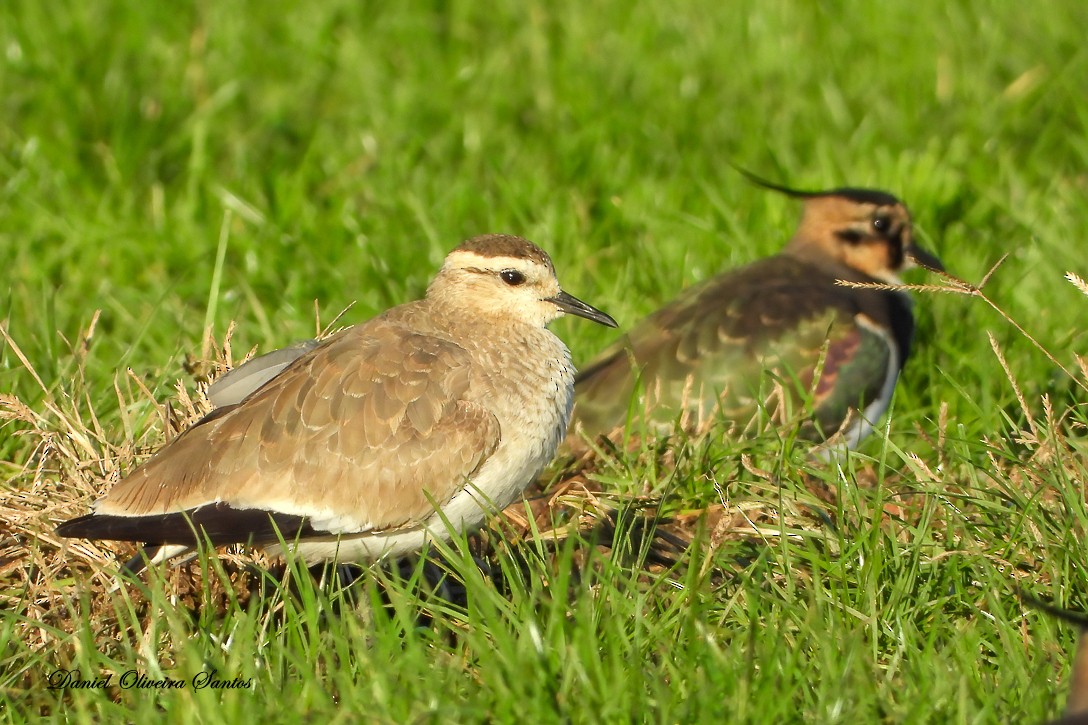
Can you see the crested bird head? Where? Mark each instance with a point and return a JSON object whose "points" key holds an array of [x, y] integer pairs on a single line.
{"points": [[502, 276], [865, 229]]}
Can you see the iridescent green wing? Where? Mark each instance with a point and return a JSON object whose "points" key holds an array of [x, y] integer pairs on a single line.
{"points": [[711, 350]]}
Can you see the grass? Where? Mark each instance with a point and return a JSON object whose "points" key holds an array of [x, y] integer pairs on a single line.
{"points": [[164, 169]]}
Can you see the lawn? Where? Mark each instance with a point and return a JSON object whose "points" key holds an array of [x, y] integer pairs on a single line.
{"points": [[169, 172]]}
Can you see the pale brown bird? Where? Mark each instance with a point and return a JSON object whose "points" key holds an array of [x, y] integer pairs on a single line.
{"points": [[705, 356], [359, 447]]}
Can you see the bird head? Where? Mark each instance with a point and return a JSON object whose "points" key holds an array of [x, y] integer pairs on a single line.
{"points": [[503, 276], [865, 229]]}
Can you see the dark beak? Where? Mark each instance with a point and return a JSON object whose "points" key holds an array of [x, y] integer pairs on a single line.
{"points": [[925, 258], [574, 306]]}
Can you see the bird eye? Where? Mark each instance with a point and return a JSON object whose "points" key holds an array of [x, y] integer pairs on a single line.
{"points": [[882, 223], [512, 277]]}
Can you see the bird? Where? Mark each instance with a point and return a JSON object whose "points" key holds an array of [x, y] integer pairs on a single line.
{"points": [[413, 425], [706, 355]]}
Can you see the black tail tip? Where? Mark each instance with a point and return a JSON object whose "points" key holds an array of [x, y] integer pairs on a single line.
{"points": [[75, 528]]}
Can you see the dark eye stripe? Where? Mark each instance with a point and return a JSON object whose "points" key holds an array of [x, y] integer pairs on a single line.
{"points": [[850, 236]]}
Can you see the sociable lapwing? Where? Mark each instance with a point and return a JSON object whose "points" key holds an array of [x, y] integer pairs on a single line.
{"points": [[417, 422]]}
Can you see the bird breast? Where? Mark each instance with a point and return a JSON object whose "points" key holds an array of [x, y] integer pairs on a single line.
{"points": [[527, 382]]}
